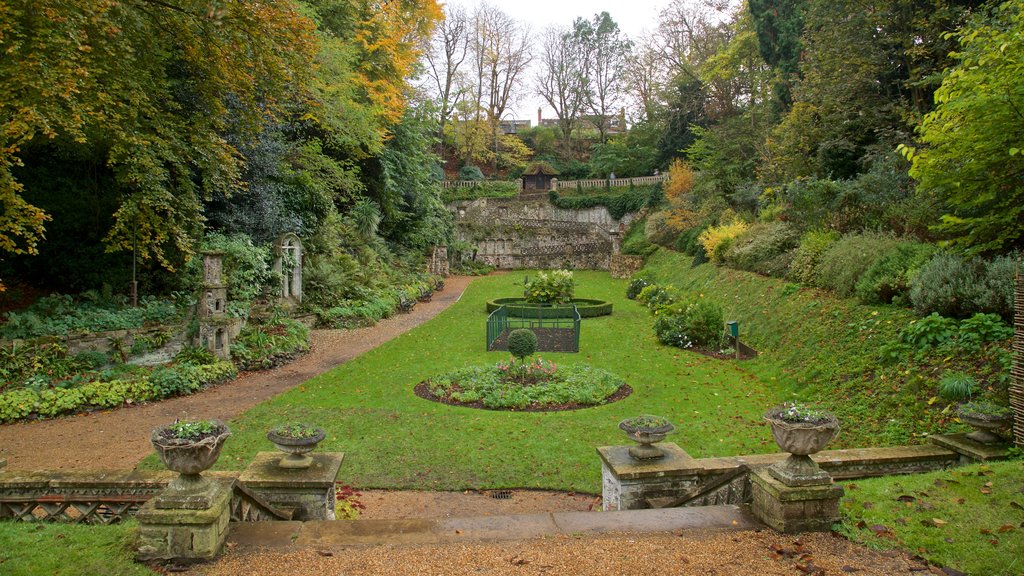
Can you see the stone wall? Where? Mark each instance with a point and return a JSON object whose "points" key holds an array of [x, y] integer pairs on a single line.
{"points": [[624, 266], [157, 343], [512, 234]]}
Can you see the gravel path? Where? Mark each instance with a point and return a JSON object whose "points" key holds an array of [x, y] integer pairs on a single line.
{"points": [[120, 438], [764, 553]]}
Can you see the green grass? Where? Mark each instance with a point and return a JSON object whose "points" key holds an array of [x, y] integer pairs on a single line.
{"points": [[394, 439], [30, 549], [830, 349], [970, 519]]}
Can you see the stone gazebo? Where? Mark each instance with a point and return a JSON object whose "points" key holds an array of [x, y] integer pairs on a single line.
{"points": [[538, 176]]}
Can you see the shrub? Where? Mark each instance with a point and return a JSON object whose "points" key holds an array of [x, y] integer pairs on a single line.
{"points": [[247, 266], [955, 286], [694, 323], [61, 314], [173, 380], [981, 329], [712, 238], [888, 279], [554, 287], [635, 242], [636, 285], [957, 386], [618, 201], [764, 248], [522, 343], [808, 254], [680, 180], [470, 172], [843, 264], [928, 332], [656, 297]]}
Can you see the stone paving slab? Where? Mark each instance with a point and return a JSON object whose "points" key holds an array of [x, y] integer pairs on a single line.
{"points": [[342, 533]]}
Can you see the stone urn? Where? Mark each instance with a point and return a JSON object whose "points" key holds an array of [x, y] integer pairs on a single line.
{"points": [[646, 430], [987, 419], [296, 441], [801, 432], [188, 454]]}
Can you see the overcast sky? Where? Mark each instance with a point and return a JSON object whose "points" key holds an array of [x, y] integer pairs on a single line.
{"points": [[632, 16]]}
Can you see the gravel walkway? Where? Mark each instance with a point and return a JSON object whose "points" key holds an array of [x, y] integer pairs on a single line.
{"points": [[120, 438], [763, 553]]}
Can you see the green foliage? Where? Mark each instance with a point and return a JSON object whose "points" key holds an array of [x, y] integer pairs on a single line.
{"points": [[554, 287], [500, 386], [813, 244], [481, 189], [688, 323], [948, 334], [246, 271], [636, 285], [973, 151], [800, 413], [957, 386], [296, 430], [843, 264], [635, 243], [195, 356], [929, 332], [61, 314], [888, 279], [619, 202], [192, 429], [470, 172], [522, 342], [656, 297], [955, 286], [765, 248], [262, 346], [645, 422]]}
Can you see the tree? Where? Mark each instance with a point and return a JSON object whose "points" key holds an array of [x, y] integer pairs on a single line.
{"points": [[779, 25], [972, 157], [450, 49], [501, 47], [562, 80], [609, 53]]}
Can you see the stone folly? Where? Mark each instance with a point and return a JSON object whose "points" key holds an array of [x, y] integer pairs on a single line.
{"points": [[288, 255], [214, 323]]}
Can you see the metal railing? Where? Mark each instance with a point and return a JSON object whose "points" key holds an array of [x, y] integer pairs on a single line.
{"points": [[557, 326]]}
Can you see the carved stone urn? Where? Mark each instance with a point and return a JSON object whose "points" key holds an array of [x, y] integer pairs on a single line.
{"points": [[801, 432], [296, 441], [646, 431], [987, 419], [189, 457]]}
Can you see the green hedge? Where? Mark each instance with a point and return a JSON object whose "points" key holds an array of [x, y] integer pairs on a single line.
{"points": [[519, 308], [618, 201], [162, 382]]}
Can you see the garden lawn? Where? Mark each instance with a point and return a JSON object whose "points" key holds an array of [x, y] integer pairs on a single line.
{"points": [[970, 519], [394, 439], [31, 549]]}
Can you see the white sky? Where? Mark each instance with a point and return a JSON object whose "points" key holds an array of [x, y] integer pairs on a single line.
{"points": [[632, 16]]}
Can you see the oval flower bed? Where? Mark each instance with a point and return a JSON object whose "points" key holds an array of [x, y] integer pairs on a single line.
{"points": [[520, 308], [536, 386]]}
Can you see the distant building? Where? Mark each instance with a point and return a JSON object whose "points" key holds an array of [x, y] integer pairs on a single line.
{"points": [[614, 124], [514, 126], [538, 175]]}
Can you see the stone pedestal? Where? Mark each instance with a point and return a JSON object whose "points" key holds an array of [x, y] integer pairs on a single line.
{"points": [[185, 534], [792, 509], [627, 484], [308, 492], [970, 450]]}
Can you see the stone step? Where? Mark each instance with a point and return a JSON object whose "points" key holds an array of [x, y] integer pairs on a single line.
{"points": [[342, 533]]}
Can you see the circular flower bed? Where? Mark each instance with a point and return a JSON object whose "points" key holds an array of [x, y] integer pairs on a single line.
{"points": [[520, 308], [530, 386]]}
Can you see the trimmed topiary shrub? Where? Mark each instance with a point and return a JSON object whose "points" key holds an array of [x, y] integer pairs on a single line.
{"points": [[522, 343], [847, 260], [888, 279]]}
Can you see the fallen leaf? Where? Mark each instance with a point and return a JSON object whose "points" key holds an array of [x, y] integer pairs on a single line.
{"points": [[994, 542], [1016, 505], [985, 531], [986, 491], [1005, 528], [869, 505], [906, 498], [326, 553]]}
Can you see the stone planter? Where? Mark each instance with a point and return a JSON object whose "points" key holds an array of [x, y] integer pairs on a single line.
{"points": [[801, 439], [986, 426], [189, 458], [645, 436], [296, 449]]}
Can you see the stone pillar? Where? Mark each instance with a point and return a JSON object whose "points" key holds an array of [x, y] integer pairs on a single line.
{"points": [[213, 315], [439, 261], [307, 492], [1017, 372], [194, 530], [792, 509], [627, 484]]}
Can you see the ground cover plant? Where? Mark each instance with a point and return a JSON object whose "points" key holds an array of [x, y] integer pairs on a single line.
{"points": [[525, 385], [26, 549], [394, 439], [970, 519]]}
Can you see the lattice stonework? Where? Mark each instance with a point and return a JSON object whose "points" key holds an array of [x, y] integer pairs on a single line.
{"points": [[1017, 372]]}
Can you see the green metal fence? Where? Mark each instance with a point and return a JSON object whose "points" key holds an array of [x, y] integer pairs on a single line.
{"points": [[553, 334]]}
